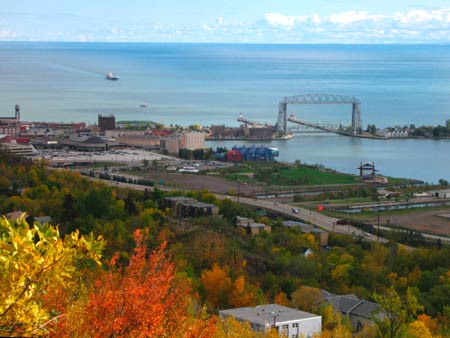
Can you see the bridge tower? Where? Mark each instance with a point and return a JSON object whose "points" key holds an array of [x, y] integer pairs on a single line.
{"points": [[356, 118], [281, 126]]}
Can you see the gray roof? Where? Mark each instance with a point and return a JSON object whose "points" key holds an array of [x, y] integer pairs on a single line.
{"points": [[314, 231], [351, 304], [264, 314], [292, 224], [366, 309], [200, 205], [179, 199], [343, 304]]}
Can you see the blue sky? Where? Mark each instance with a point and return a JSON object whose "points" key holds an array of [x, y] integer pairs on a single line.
{"points": [[255, 21]]}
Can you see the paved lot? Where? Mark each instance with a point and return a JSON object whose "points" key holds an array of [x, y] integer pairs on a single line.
{"points": [[130, 156]]}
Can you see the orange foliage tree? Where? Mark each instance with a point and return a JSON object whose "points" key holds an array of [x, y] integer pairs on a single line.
{"points": [[222, 292], [145, 299]]}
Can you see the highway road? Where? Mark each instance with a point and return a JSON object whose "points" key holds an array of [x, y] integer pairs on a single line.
{"points": [[316, 218]]}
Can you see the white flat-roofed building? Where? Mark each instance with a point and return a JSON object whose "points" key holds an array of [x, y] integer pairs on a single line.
{"points": [[19, 149], [289, 322]]}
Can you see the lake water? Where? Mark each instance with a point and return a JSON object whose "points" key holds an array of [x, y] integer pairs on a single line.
{"points": [[211, 84]]}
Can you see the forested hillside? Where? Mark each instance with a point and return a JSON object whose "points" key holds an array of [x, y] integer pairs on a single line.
{"points": [[114, 263]]}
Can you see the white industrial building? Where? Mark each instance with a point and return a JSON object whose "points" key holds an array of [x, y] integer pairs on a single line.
{"points": [[288, 322], [444, 193]]}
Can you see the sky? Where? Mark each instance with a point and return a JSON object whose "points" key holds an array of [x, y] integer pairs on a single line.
{"points": [[226, 21]]}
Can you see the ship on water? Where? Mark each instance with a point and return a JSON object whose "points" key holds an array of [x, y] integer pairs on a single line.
{"points": [[111, 77]]}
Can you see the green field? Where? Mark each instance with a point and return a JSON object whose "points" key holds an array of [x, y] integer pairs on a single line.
{"points": [[311, 176], [281, 174]]}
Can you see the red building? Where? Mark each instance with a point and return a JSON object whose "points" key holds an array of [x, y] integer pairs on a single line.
{"points": [[234, 156]]}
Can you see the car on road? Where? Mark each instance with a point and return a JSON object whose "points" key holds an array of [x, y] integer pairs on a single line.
{"points": [[295, 210]]}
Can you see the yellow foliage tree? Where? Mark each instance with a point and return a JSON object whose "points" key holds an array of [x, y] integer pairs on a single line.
{"points": [[417, 329], [231, 328], [36, 263]]}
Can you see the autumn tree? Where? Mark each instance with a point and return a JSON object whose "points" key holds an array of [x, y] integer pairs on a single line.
{"points": [[36, 262], [217, 285], [144, 299], [396, 312], [307, 298], [231, 328], [334, 325], [222, 292], [417, 329]]}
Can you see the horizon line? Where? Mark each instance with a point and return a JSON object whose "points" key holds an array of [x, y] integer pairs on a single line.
{"points": [[233, 43]]}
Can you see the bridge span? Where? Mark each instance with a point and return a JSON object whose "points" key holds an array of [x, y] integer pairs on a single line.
{"points": [[319, 99], [327, 128], [247, 122]]}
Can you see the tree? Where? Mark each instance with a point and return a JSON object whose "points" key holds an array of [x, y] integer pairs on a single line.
{"points": [[144, 299], [217, 285], [371, 128], [396, 312], [34, 263], [333, 325], [307, 298], [281, 299], [130, 205], [185, 154], [231, 328], [242, 294], [417, 329], [443, 182]]}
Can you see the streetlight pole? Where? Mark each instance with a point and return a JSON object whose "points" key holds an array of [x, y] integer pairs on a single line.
{"points": [[378, 217], [238, 190]]}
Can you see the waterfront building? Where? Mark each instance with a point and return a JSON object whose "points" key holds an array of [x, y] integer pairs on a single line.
{"points": [[287, 321], [106, 122], [192, 140], [146, 141], [11, 125], [85, 143]]}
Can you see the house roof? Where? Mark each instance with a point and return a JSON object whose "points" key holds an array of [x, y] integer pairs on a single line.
{"points": [[15, 215], [351, 304], [264, 314], [366, 309]]}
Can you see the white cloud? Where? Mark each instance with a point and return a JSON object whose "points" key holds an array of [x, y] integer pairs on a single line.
{"points": [[362, 26], [416, 25], [348, 17], [286, 21], [7, 34]]}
